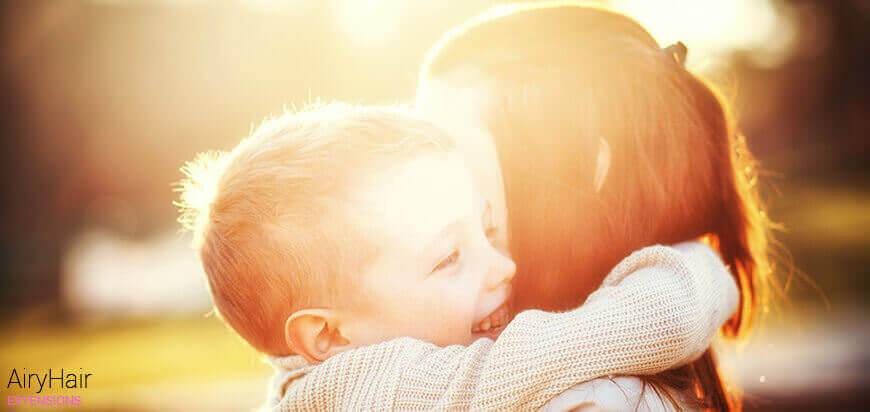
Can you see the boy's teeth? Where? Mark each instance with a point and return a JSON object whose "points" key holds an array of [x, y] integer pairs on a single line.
{"points": [[495, 320]]}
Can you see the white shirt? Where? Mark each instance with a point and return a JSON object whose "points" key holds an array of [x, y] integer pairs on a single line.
{"points": [[622, 393]]}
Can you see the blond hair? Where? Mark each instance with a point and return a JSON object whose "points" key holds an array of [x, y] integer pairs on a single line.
{"points": [[268, 217]]}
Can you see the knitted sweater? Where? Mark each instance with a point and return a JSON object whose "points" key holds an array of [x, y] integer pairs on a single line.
{"points": [[658, 309]]}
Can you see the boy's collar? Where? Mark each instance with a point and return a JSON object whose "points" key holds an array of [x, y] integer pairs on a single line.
{"points": [[287, 363], [287, 370]]}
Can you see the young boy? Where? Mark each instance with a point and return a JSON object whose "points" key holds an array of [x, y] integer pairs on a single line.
{"points": [[352, 239]]}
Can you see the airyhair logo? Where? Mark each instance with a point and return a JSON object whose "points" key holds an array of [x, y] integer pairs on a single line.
{"points": [[37, 382]]}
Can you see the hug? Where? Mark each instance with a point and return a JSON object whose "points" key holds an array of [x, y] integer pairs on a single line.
{"points": [[564, 220]]}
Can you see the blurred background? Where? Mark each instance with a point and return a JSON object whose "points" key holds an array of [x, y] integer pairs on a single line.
{"points": [[101, 102]]}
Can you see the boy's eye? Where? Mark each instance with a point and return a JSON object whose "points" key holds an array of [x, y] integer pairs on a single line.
{"points": [[447, 261]]}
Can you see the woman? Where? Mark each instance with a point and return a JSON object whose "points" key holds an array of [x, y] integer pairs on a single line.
{"points": [[590, 142]]}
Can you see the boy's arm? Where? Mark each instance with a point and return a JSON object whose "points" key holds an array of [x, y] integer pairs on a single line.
{"points": [[659, 308]]}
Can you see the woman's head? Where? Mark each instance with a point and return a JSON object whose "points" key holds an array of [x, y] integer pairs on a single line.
{"points": [[543, 86], [548, 84]]}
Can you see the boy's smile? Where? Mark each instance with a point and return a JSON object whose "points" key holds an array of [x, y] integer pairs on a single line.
{"points": [[492, 325], [435, 276]]}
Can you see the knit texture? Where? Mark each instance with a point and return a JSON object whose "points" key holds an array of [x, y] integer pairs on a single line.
{"points": [[658, 309]]}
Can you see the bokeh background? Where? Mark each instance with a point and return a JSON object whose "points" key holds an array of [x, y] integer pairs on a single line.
{"points": [[102, 101]]}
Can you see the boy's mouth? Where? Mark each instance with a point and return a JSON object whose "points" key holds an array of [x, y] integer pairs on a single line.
{"points": [[494, 322]]}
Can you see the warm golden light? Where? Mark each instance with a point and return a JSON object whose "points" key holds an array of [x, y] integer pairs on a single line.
{"points": [[714, 28], [369, 23], [103, 100]]}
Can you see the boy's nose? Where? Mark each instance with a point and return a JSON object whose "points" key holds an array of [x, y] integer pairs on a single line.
{"points": [[502, 269]]}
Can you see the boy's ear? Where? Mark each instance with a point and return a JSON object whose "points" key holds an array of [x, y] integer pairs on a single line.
{"points": [[314, 334]]}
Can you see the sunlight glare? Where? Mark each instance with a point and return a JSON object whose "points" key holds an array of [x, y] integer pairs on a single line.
{"points": [[368, 23], [713, 28]]}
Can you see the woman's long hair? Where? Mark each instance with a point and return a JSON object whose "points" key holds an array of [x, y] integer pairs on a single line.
{"points": [[563, 81]]}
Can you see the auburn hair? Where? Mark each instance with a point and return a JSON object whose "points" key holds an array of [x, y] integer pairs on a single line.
{"points": [[562, 80]]}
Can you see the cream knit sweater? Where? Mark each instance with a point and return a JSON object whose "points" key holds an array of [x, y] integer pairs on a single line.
{"points": [[658, 309]]}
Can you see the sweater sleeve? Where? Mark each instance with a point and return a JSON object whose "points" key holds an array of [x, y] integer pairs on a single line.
{"points": [[658, 309]]}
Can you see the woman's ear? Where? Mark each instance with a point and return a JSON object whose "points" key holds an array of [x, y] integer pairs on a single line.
{"points": [[314, 334], [602, 164]]}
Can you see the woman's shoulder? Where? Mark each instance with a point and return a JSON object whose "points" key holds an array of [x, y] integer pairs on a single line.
{"points": [[616, 394]]}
